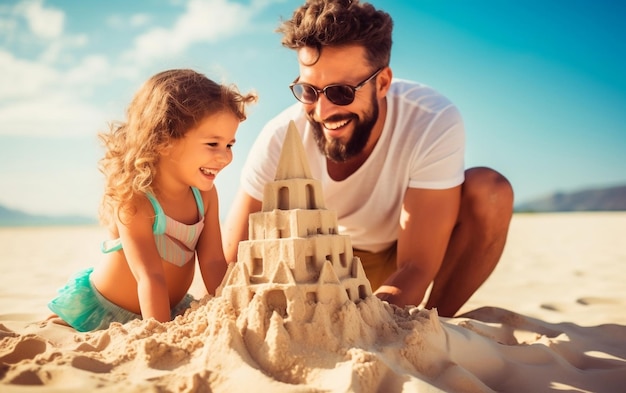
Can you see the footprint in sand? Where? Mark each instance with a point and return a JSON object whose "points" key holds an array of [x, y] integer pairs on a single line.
{"points": [[583, 301], [92, 365], [591, 300], [26, 348], [551, 307], [27, 377]]}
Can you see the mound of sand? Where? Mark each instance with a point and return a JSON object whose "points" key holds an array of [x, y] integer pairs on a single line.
{"points": [[365, 347]]}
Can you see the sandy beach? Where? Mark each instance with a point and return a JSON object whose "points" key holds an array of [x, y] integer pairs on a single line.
{"points": [[552, 317]]}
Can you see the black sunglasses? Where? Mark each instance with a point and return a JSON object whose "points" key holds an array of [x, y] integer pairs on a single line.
{"points": [[338, 94]]}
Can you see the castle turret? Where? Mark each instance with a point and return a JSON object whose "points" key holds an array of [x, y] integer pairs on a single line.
{"points": [[293, 186]]}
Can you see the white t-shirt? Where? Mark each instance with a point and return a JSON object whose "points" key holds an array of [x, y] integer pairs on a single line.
{"points": [[422, 145]]}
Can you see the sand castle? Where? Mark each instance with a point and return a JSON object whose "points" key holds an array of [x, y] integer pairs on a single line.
{"points": [[294, 259]]}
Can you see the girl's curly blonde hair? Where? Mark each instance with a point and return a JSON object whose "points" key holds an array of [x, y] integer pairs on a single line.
{"points": [[167, 105]]}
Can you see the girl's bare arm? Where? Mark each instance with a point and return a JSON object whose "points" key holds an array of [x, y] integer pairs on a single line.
{"points": [[210, 252], [145, 262]]}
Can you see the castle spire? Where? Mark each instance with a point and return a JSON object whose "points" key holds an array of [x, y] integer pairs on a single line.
{"points": [[293, 163]]}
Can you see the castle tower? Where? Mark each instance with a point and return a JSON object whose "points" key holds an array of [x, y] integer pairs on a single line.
{"points": [[294, 258]]}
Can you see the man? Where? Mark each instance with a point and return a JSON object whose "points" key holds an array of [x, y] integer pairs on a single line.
{"points": [[390, 157]]}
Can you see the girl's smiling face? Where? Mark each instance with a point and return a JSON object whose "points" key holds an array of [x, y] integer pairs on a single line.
{"points": [[197, 158]]}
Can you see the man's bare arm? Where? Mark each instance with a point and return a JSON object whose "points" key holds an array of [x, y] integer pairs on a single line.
{"points": [[236, 225], [426, 223]]}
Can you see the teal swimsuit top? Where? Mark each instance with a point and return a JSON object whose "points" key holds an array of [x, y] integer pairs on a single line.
{"points": [[175, 241]]}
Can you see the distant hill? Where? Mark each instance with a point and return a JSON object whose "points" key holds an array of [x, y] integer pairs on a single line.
{"points": [[10, 217], [598, 199]]}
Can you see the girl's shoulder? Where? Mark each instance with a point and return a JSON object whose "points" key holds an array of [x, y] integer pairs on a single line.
{"points": [[209, 198], [138, 209]]}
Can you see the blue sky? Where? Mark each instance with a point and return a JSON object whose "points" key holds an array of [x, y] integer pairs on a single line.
{"points": [[541, 84]]}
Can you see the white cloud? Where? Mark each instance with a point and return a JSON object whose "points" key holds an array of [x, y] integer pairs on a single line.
{"points": [[91, 71], [59, 114], [40, 97], [23, 78], [56, 49], [37, 99], [30, 25], [119, 21], [139, 20], [45, 23], [203, 21]]}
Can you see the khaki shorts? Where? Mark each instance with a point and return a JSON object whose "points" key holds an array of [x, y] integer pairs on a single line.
{"points": [[378, 265]]}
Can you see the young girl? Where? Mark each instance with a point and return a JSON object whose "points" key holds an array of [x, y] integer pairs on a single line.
{"points": [[160, 203]]}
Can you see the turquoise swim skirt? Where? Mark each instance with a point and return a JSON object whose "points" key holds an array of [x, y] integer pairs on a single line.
{"points": [[85, 309]]}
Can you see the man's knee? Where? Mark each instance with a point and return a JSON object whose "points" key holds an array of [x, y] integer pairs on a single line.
{"points": [[486, 191]]}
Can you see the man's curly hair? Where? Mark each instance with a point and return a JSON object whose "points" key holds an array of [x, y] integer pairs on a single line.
{"points": [[320, 23]]}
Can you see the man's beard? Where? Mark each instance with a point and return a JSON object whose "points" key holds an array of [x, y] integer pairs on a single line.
{"points": [[335, 149]]}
